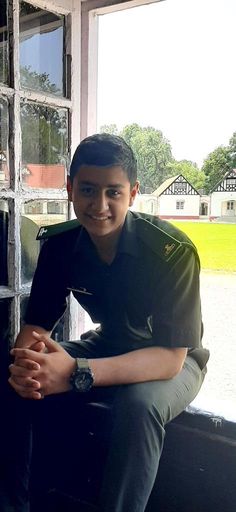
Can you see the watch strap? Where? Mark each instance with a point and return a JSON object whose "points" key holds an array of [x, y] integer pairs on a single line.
{"points": [[82, 363]]}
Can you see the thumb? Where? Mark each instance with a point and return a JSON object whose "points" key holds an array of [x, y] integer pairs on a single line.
{"points": [[50, 345], [38, 346]]}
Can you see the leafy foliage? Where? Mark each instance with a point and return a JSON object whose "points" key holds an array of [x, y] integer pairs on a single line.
{"points": [[155, 162], [44, 128], [232, 151], [216, 165], [37, 81], [109, 128], [190, 171], [44, 134], [153, 152]]}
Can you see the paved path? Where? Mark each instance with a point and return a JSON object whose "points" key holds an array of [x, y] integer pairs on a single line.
{"points": [[218, 292]]}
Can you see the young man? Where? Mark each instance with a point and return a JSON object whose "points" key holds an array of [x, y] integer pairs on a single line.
{"points": [[138, 277]]}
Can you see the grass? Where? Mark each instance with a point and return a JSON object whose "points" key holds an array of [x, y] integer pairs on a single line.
{"points": [[216, 243]]}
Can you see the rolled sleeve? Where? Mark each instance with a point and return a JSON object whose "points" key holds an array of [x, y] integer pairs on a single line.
{"points": [[177, 319]]}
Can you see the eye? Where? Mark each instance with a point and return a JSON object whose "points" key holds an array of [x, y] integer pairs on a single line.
{"points": [[113, 192], [86, 191]]}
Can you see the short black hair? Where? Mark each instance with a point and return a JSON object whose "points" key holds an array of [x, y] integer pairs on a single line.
{"points": [[104, 149]]}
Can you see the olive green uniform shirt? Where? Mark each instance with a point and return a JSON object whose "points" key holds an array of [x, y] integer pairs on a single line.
{"points": [[148, 296]]}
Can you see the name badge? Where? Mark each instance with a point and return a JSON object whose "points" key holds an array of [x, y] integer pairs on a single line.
{"points": [[81, 289]]}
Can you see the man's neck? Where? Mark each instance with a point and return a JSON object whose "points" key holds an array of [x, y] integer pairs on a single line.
{"points": [[106, 246]]}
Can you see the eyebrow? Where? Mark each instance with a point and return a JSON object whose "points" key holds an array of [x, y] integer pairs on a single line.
{"points": [[111, 185]]}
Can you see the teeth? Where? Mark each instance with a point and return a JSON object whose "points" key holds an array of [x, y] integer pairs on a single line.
{"points": [[99, 218]]}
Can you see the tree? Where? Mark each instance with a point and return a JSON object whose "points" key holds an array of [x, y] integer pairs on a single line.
{"points": [[216, 165], [44, 128], [190, 171], [37, 81], [153, 153], [109, 128], [232, 151]]}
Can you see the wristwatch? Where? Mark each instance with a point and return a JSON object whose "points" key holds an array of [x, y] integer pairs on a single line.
{"points": [[82, 378]]}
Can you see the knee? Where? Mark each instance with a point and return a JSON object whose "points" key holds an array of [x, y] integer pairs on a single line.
{"points": [[135, 403]]}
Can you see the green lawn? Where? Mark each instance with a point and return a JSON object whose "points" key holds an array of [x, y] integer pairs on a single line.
{"points": [[216, 243]]}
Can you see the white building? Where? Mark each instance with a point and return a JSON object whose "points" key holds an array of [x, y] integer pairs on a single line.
{"points": [[223, 198], [177, 198], [146, 203]]}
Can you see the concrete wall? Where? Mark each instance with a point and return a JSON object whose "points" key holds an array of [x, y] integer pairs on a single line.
{"points": [[167, 206], [146, 203], [219, 204]]}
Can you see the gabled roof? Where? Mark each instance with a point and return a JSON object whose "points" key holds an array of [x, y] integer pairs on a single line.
{"points": [[228, 175], [167, 183]]}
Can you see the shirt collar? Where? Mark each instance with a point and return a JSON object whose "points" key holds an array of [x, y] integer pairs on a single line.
{"points": [[128, 242]]}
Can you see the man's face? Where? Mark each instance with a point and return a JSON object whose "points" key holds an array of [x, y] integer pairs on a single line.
{"points": [[101, 197]]}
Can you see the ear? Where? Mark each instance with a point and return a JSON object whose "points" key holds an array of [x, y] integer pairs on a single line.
{"points": [[69, 188], [133, 193]]}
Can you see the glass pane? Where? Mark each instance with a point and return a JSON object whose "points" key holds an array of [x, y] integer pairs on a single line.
{"points": [[4, 169], [41, 49], [34, 215], [44, 146], [3, 43], [3, 243]]}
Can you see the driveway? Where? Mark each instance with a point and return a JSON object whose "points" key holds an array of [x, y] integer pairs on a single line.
{"points": [[218, 394]]}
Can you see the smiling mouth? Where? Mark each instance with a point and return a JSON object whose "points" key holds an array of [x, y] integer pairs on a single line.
{"points": [[97, 218]]}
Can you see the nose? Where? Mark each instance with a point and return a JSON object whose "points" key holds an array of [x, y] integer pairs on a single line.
{"points": [[100, 203]]}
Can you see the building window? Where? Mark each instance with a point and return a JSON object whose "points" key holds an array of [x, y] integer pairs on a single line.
{"points": [[41, 50], [34, 207], [4, 64], [35, 123], [44, 153], [55, 207], [180, 188], [230, 205], [231, 185], [179, 205]]}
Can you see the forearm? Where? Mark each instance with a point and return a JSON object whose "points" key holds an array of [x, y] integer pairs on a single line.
{"points": [[153, 363], [25, 339]]}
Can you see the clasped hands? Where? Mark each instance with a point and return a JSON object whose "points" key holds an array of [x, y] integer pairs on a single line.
{"points": [[36, 373]]}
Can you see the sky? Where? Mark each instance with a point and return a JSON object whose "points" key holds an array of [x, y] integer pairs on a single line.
{"points": [[171, 65], [43, 53]]}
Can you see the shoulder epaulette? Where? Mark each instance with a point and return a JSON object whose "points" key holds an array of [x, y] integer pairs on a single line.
{"points": [[163, 244], [56, 229]]}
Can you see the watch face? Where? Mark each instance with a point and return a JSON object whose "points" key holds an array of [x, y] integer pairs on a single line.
{"points": [[82, 380]]}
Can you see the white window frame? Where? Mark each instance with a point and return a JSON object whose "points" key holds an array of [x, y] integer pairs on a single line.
{"points": [[90, 12], [180, 205], [230, 205], [14, 94]]}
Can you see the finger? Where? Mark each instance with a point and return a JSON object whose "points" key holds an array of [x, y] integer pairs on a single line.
{"points": [[26, 353], [26, 382], [39, 346], [22, 371], [51, 345], [24, 392], [25, 363]]}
